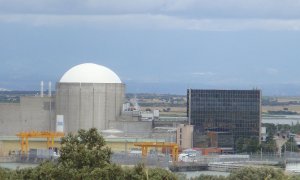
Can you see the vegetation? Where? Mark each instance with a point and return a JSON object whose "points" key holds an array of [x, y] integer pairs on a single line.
{"points": [[258, 173], [49, 170], [295, 128], [251, 173], [269, 146], [209, 177], [290, 145], [282, 112], [249, 145], [85, 156], [271, 101], [283, 130]]}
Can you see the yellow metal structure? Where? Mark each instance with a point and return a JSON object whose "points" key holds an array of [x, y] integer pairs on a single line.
{"points": [[38, 134], [146, 145]]}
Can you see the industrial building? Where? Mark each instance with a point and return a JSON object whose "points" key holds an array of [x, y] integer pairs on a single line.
{"points": [[221, 117], [87, 95], [184, 136]]}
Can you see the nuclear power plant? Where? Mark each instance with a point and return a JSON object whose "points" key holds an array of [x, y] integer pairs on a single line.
{"points": [[93, 96], [88, 95]]}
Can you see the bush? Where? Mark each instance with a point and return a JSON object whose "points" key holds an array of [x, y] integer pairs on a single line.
{"points": [[209, 177], [257, 173]]}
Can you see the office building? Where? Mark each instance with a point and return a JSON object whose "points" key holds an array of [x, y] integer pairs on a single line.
{"points": [[221, 117]]}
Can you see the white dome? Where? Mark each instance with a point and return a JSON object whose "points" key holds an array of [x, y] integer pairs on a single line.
{"points": [[90, 73]]}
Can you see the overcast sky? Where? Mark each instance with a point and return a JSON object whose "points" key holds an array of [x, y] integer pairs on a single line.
{"points": [[153, 45]]}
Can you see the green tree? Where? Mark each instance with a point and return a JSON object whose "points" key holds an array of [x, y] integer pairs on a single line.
{"points": [[290, 145], [83, 156], [140, 172], [86, 149], [295, 128], [4, 173], [257, 173], [269, 145], [248, 145], [294, 177], [209, 177], [271, 129], [158, 174]]}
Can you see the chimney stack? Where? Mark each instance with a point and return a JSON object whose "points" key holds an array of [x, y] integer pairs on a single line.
{"points": [[42, 88], [49, 90]]}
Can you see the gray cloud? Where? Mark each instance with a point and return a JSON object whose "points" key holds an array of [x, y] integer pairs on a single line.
{"points": [[148, 21], [273, 9], [206, 15]]}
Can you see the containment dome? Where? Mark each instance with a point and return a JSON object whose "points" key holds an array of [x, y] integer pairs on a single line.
{"points": [[90, 73]]}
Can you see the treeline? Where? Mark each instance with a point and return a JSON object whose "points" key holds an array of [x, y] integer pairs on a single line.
{"points": [[252, 173], [277, 129], [282, 112], [266, 101], [48, 171]]}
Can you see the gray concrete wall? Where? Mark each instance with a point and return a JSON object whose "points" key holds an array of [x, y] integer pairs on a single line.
{"points": [[86, 105], [132, 127], [99, 106], [10, 119], [37, 113], [31, 114]]}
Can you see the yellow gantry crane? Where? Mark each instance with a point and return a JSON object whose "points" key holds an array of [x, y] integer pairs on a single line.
{"points": [[38, 134], [146, 145]]}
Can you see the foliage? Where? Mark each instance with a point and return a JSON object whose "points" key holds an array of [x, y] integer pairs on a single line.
{"points": [[158, 173], [6, 174], [84, 150], [294, 177], [269, 145], [290, 145], [249, 145], [209, 177], [283, 127], [136, 173], [257, 173], [295, 128], [139, 172], [271, 129], [84, 156]]}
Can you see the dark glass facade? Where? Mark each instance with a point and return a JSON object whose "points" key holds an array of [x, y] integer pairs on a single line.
{"points": [[230, 114]]}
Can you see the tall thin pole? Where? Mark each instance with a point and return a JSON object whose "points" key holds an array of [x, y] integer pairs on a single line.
{"points": [[189, 106], [42, 88], [49, 90]]}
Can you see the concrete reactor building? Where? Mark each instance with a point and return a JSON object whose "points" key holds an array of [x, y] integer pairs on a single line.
{"points": [[89, 95]]}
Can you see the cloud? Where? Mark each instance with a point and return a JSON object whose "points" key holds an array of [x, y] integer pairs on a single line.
{"points": [[274, 9], [206, 15], [148, 21], [203, 74], [272, 71]]}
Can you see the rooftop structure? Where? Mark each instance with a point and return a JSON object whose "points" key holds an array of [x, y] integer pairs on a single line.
{"points": [[90, 73]]}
